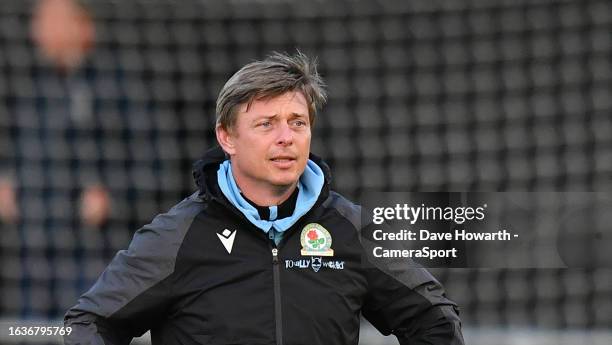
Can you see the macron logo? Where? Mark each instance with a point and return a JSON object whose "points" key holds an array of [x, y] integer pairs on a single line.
{"points": [[227, 239]]}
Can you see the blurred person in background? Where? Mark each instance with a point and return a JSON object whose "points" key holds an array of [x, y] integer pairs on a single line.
{"points": [[50, 185], [264, 252], [63, 32]]}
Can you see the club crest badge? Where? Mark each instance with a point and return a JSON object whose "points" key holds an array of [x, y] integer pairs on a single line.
{"points": [[316, 241]]}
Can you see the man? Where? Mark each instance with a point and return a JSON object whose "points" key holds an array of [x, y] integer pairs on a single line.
{"points": [[264, 252]]}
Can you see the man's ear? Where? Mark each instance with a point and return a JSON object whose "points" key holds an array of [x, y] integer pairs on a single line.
{"points": [[225, 139]]}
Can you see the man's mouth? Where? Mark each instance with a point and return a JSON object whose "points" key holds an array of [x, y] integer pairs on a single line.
{"points": [[283, 161]]}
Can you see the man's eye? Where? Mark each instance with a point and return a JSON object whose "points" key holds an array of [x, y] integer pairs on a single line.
{"points": [[300, 123], [265, 124]]}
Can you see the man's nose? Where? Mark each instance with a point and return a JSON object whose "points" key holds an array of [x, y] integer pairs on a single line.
{"points": [[285, 135]]}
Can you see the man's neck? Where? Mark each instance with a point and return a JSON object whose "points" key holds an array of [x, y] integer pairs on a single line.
{"points": [[266, 196], [283, 210]]}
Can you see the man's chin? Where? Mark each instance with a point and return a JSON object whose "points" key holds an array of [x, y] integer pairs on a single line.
{"points": [[285, 177], [286, 182]]}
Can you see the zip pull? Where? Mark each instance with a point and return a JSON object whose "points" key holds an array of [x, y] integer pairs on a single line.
{"points": [[278, 313]]}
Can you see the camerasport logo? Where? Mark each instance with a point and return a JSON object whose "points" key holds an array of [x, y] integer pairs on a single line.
{"points": [[316, 241]]}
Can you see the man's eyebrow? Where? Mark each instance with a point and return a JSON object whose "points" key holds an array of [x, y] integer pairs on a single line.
{"points": [[265, 116], [271, 116]]}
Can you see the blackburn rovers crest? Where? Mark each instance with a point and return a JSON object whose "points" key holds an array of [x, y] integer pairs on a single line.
{"points": [[316, 241]]}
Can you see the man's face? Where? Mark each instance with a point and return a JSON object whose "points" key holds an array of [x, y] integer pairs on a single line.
{"points": [[63, 31], [269, 143]]}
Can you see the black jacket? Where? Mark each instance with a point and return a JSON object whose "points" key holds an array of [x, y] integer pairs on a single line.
{"points": [[178, 280]]}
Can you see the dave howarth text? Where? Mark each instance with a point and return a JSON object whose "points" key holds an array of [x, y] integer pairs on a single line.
{"points": [[458, 235]]}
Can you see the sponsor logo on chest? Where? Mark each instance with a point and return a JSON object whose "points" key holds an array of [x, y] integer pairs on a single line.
{"points": [[316, 263]]}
